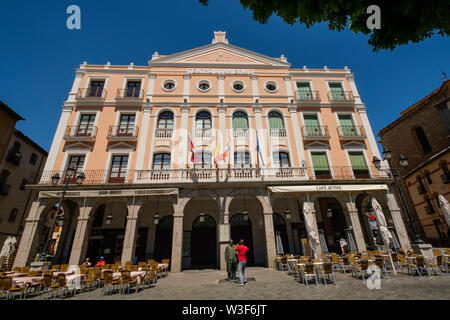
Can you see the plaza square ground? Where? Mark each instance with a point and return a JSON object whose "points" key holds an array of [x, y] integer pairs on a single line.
{"points": [[271, 284]]}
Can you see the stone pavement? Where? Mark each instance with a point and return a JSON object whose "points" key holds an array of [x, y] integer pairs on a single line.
{"points": [[271, 284]]}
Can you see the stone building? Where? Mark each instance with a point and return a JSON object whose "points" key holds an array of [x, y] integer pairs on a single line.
{"points": [[8, 119], [206, 144], [422, 134]]}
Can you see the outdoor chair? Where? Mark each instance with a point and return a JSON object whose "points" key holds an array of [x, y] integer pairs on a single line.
{"points": [[361, 266], [141, 264], [150, 277], [25, 270], [91, 279], [308, 271], [55, 267], [345, 263], [435, 265], [46, 285], [380, 263], [132, 268], [63, 268], [419, 264], [16, 269], [10, 290], [127, 282], [108, 282], [166, 262], [278, 262], [292, 265], [150, 261], [327, 272], [284, 264], [62, 286]]}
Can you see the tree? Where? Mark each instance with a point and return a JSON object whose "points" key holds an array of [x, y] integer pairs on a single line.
{"points": [[402, 21]]}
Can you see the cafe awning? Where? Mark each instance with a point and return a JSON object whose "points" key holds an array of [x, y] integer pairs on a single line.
{"points": [[329, 187]]}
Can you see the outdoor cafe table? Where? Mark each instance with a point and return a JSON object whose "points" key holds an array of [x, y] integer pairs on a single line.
{"points": [[15, 274], [26, 281], [67, 273], [138, 275]]}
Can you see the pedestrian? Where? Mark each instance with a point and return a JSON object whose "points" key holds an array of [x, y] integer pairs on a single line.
{"points": [[242, 250], [231, 259], [87, 263], [101, 262]]}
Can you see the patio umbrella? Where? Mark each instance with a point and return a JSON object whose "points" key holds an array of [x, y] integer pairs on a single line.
{"points": [[445, 208], [382, 225], [313, 237], [8, 247]]}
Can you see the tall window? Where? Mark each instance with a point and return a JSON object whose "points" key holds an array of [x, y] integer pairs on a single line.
{"points": [[304, 91], [275, 120], [420, 134], [312, 125], [203, 120], [118, 169], [421, 187], [241, 160], [240, 120], [336, 91], [77, 163], [16, 147], [86, 125], [133, 89], [96, 88], [320, 165], [126, 127], [13, 215], [33, 158], [347, 126], [204, 159], [281, 159], [165, 120], [161, 161], [359, 165]]}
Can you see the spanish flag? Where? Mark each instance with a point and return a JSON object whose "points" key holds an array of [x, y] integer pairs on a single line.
{"points": [[217, 152], [194, 156], [227, 149]]}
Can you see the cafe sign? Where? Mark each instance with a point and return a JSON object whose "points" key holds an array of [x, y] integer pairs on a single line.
{"points": [[110, 193], [329, 188]]}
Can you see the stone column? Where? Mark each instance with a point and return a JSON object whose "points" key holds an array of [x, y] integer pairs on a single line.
{"points": [[398, 221], [129, 242], [224, 239], [271, 250], [261, 135], [143, 139], [80, 241], [290, 237], [297, 135], [223, 130], [29, 239], [177, 242], [183, 136], [356, 226]]}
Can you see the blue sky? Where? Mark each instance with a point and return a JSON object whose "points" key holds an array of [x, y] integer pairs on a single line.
{"points": [[39, 54]]}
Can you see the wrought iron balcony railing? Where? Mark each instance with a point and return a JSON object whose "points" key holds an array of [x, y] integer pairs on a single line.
{"points": [[80, 132], [130, 94], [308, 95], [127, 131], [336, 96], [351, 132], [315, 131], [91, 93]]}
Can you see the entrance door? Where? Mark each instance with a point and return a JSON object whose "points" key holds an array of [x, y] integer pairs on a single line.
{"points": [[203, 242], [280, 225], [163, 239], [242, 229]]}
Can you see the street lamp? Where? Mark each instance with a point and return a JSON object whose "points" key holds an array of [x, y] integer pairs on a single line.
{"points": [[287, 212], [404, 163], [156, 217], [329, 213], [109, 218], [59, 219]]}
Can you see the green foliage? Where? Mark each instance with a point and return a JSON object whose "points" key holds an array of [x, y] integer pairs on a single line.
{"points": [[402, 21]]}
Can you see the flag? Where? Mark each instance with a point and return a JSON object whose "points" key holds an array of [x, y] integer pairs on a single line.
{"points": [[258, 149], [194, 156], [227, 149], [217, 152]]}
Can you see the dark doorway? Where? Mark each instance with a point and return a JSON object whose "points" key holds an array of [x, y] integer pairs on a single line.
{"points": [[203, 242], [107, 243], [141, 244], [242, 229], [163, 239], [334, 223], [280, 225]]}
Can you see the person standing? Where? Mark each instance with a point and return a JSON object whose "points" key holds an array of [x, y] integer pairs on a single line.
{"points": [[231, 259], [242, 250]]}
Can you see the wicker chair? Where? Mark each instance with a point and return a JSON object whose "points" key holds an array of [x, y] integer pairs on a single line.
{"points": [[346, 263], [46, 285], [151, 275], [308, 271], [361, 266], [91, 279], [284, 264], [127, 282], [420, 264], [166, 263], [380, 263], [62, 286], [435, 266], [109, 282], [327, 272]]}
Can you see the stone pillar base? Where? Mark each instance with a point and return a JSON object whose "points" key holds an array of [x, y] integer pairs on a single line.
{"points": [[42, 266], [425, 249]]}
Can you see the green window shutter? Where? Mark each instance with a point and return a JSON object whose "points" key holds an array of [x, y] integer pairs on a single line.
{"points": [[357, 161], [304, 91], [240, 122], [312, 125], [347, 126], [320, 161], [275, 121], [336, 91]]}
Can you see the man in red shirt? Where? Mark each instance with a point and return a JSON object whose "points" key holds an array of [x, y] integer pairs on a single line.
{"points": [[242, 250], [101, 262]]}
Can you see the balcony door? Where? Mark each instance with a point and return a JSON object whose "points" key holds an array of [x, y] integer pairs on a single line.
{"points": [[240, 124], [359, 165], [336, 91], [118, 169], [126, 127], [165, 120], [77, 163], [304, 91], [161, 166], [86, 125], [347, 125], [312, 125], [96, 88], [133, 89], [320, 165]]}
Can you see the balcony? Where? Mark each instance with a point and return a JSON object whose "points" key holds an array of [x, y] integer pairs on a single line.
{"points": [[421, 189], [4, 189], [129, 96], [429, 209], [351, 132], [345, 173], [241, 133], [80, 133], [163, 133], [123, 133], [340, 97], [91, 94], [308, 97], [201, 133], [315, 133], [14, 157], [277, 133]]}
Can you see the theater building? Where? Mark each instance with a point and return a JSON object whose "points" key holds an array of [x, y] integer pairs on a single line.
{"points": [[206, 144]]}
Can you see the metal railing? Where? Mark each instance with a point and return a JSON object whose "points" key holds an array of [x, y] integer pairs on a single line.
{"points": [[315, 131], [80, 132], [130, 131], [97, 92], [308, 95], [351, 132], [163, 133], [340, 96], [130, 93], [214, 175], [278, 133]]}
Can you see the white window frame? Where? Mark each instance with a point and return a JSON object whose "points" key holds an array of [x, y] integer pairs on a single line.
{"points": [[348, 149], [320, 149], [117, 152], [236, 82], [124, 85], [163, 83], [120, 111], [199, 82], [271, 82], [105, 86]]}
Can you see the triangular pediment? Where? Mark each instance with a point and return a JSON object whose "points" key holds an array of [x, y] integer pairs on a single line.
{"points": [[121, 145], [354, 144], [317, 144], [78, 145], [219, 54]]}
